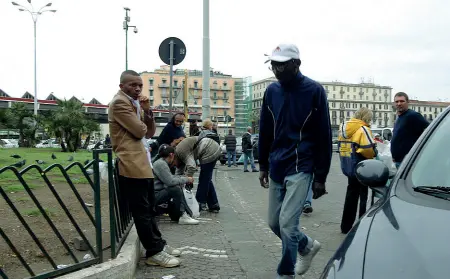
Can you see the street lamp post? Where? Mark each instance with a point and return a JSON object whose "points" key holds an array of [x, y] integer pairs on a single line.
{"points": [[125, 27], [34, 15]]}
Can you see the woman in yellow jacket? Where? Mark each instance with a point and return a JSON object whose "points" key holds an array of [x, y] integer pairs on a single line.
{"points": [[355, 145]]}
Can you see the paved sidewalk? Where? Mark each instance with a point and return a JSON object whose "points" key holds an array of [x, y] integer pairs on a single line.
{"points": [[237, 243]]}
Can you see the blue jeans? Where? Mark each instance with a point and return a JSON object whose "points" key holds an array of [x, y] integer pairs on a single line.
{"points": [[286, 203], [309, 197], [206, 193], [229, 155], [248, 155]]}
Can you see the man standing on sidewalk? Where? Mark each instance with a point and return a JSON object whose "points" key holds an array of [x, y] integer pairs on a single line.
{"points": [[130, 122], [294, 151], [407, 129], [247, 150], [230, 144]]}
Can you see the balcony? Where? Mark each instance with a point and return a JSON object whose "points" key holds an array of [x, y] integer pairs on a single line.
{"points": [[163, 85]]}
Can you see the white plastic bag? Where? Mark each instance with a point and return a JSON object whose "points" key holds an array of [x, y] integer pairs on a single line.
{"points": [[384, 155], [103, 169], [192, 203]]}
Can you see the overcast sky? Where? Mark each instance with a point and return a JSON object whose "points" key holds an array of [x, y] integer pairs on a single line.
{"points": [[81, 48]]}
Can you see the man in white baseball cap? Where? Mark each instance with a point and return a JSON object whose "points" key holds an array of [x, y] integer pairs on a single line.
{"points": [[295, 152]]}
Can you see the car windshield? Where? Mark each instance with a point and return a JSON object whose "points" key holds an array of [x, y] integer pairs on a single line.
{"points": [[433, 163]]}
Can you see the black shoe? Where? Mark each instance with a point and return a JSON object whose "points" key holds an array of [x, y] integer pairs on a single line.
{"points": [[215, 208], [307, 209], [246, 171], [202, 207], [255, 170]]}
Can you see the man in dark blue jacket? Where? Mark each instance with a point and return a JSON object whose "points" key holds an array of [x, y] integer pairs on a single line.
{"points": [[295, 141], [407, 129]]}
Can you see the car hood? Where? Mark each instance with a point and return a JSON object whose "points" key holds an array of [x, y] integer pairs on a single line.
{"points": [[407, 240]]}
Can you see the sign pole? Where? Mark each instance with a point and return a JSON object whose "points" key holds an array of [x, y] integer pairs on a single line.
{"points": [[171, 77]]}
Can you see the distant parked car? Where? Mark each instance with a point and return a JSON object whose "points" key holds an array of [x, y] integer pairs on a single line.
{"points": [[7, 143], [50, 143]]}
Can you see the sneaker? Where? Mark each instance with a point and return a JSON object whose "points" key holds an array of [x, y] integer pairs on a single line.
{"points": [[163, 259], [172, 251], [307, 208], [304, 262], [215, 208], [185, 219]]}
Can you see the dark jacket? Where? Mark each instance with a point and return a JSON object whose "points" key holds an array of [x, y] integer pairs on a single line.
{"points": [[230, 142], [407, 129], [167, 135], [295, 130], [247, 142]]}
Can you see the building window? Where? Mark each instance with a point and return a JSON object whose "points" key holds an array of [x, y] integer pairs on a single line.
{"points": [[367, 97], [215, 102], [354, 97], [151, 92], [354, 89], [380, 106], [224, 95], [151, 82], [164, 101], [225, 83], [215, 95], [334, 88], [326, 87], [334, 96], [195, 84], [175, 83], [333, 104], [348, 96], [151, 103], [334, 121], [348, 88], [164, 81]]}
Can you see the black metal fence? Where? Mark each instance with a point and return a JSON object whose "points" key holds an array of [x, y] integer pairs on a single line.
{"points": [[119, 216]]}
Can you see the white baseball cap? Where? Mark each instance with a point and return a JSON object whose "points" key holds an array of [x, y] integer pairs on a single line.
{"points": [[285, 52]]}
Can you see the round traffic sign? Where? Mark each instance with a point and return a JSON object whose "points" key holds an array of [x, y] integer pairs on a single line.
{"points": [[179, 50]]}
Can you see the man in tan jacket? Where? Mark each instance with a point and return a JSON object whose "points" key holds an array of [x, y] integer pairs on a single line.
{"points": [[130, 123]]}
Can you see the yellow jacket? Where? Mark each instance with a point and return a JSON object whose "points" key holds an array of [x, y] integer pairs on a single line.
{"points": [[355, 144]]}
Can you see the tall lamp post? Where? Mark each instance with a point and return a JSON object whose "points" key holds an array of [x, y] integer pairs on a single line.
{"points": [[34, 15], [125, 27]]}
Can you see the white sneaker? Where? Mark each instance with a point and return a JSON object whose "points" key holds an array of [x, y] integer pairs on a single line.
{"points": [[163, 259], [304, 262], [172, 251], [185, 219]]}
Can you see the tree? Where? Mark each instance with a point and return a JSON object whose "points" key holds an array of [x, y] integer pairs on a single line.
{"points": [[69, 122], [21, 118]]}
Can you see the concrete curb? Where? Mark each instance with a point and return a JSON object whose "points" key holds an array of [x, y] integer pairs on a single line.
{"points": [[122, 267]]}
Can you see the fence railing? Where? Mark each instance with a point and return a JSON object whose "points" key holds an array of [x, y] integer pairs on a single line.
{"points": [[120, 220]]}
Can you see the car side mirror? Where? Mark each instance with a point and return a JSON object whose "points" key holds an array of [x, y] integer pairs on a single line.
{"points": [[374, 174]]}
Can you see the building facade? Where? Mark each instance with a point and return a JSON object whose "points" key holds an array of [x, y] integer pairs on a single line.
{"points": [[222, 93], [429, 109]]}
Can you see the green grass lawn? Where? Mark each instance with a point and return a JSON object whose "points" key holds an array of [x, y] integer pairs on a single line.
{"points": [[9, 181]]}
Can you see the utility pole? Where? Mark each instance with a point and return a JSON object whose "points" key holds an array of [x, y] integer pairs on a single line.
{"points": [[125, 27], [185, 95], [206, 102]]}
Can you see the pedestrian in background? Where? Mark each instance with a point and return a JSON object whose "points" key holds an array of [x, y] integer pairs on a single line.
{"points": [[295, 133], [247, 150], [230, 145], [408, 127], [355, 145]]}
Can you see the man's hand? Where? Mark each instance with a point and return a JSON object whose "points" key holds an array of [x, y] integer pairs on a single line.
{"points": [[145, 102], [264, 179], [318, 190], [191, 180]]}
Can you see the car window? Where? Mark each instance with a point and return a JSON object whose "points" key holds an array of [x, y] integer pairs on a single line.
{"points": [[433, 163]]}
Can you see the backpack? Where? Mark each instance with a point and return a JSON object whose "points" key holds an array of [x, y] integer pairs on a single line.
{"points": [[209, 135]]}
